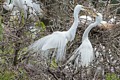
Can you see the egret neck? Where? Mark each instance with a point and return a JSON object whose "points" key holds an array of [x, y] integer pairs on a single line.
{"points": [[85, 34], [72, 30]]}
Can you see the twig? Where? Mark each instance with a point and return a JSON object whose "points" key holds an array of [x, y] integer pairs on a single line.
{"points": [[52, 74]]}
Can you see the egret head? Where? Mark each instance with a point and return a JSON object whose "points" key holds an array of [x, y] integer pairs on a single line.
{"points": [[77, 9], [99, 17]]}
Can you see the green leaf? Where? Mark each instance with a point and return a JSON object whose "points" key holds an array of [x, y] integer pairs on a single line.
{"points": [[38, 23], [43, 25], [111, 76], [53, 63], [8, 75]]}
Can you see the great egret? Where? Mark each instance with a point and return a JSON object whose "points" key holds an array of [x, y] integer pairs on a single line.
{"points": [[83, 55], [33, 7], [24, 5], [58, 40]]}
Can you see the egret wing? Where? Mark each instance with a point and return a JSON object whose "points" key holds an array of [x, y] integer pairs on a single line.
{"points": [[53, 41], [37, 45], [58, 41], [60, 56]]}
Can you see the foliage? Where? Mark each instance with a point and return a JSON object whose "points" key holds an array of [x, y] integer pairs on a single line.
{"points": [[40, 24], [19, 32], [7, 76], [53, 63], [111, 76]]}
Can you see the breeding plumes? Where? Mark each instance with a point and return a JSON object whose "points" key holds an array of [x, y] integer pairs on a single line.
{"points": [[84, 54], [58, 40]]}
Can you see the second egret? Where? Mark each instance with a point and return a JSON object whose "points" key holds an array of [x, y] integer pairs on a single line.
{"points": [[84, 54]]}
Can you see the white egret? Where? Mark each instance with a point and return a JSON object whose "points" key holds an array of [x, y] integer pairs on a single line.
{"points": [[58, 40], [83, 55], [25, 5], [32, 7]]}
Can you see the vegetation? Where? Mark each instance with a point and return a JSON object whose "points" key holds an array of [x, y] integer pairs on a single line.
{"points": [[18, 32]]}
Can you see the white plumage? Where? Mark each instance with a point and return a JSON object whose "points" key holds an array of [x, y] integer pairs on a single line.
{"points": [[58, 40], [85, 52], [25, 5], [83, 55]]}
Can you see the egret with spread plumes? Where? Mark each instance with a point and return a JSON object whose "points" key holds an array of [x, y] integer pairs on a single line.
{"points": [[84, 54], [58, 40]]}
